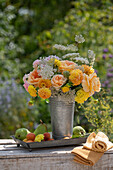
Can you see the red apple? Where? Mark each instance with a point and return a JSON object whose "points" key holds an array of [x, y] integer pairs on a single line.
{"points": [[30, 136], [46, 136]]}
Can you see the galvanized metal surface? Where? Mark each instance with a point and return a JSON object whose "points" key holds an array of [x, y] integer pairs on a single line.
{"points": [[62, 114]]}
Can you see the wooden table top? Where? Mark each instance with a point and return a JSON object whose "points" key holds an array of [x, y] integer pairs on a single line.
{"points": [[58, 158]]}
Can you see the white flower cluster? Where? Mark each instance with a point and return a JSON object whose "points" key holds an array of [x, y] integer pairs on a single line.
{"points": [[83, 60], [46, 66], [79, 38], [42, 61], [80, 68], [70, 47], [47, 71], [91, 56], [71, 55]]}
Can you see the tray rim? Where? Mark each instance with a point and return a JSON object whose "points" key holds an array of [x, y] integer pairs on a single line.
{"points": [[47, 144]]}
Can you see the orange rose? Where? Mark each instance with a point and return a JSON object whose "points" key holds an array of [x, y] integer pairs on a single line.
{"points": [[44, 83], [34, 78], [57, 81], [44, 93], [91, 83], [66, 65], [88, 69], [76, 77]]}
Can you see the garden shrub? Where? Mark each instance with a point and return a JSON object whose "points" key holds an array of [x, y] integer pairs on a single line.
{"points": [[99, 113], [15, 111]]}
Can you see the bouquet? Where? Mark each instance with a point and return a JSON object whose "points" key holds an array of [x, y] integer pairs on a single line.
{"points": [[70, 76]]}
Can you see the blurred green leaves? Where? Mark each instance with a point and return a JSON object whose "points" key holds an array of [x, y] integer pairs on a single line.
{"points": [[20, 24]]}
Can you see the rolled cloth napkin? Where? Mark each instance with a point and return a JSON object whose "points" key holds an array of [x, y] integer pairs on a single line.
{"points": [[98, 143], [93, 149]]}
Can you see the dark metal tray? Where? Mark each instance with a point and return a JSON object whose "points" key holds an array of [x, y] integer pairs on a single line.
{"points": [[52, 143]]}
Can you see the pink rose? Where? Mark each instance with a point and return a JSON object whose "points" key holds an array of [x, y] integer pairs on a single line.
{"points": [[25, 77], [26, 84], [36, 63]]}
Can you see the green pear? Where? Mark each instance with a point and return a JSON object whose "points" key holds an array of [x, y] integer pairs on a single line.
{"points": [[21, 133], [78, 131], [41, 129]]}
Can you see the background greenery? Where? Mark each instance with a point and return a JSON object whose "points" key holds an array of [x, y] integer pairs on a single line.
{"points": [[28, 30]]}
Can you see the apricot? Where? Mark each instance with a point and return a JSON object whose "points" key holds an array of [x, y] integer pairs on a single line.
{"points": [[50, 139], [25, 140], [67, 138], [29, 141]]}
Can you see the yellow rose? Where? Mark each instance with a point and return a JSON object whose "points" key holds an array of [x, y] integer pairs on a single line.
{"points": [[81, 96], [76, 77], [91, 83], [32, 91], [57, 63], [65, 89]]}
